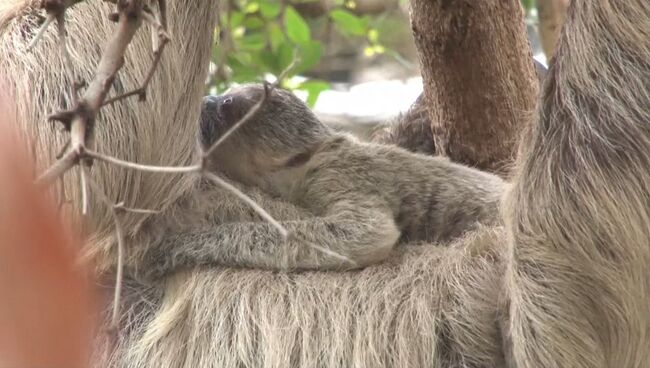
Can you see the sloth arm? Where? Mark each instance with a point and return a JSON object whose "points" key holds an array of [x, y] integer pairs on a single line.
{"points": [[351, 234]]}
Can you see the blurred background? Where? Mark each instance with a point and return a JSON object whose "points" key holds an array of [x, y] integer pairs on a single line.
{"points": [[357, 63]]}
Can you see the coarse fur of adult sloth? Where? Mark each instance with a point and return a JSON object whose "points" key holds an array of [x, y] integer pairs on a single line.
{"points": [[567, 277]]}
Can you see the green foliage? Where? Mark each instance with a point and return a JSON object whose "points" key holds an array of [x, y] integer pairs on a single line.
{"points": [[261, 38], [296, 27], [528, 5], [313, 88], [348, 23]]}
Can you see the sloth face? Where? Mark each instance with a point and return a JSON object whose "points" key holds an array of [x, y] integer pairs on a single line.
{"points": [[283, 128]]}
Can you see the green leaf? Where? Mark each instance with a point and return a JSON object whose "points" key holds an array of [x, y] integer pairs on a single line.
{"points": [[313, 88], [252, 7], [253, 23], [269, 9], [350, 4], [373, 35], [239, 59], [296, 27], [276, 37], [349, 23], [527, 4], [236, 19], [252, 42], [245, 76], [243, 68], [270, 61], [310, 54], [285, 57]]}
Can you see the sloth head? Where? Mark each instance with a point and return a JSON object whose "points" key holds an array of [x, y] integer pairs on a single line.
{"points": [[282, 134]]}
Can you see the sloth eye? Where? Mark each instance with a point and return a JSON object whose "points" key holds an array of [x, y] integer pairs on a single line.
{"points": [[226, 110]]}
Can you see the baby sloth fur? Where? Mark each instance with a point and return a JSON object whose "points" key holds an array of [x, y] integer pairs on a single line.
{"points": [[365, 197]]}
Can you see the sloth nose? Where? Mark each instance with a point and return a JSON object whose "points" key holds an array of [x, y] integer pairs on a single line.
{"points": [[216, 117], [215, 102], [210, 101]]}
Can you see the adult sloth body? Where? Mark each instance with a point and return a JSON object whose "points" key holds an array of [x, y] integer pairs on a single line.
{"points": [[230, 317], [570, 268]]}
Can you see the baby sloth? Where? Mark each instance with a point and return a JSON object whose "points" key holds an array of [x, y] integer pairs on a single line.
{"points": [[364, 197]]}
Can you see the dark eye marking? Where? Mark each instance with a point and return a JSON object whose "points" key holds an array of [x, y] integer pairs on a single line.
{"points": [[299, 159]]}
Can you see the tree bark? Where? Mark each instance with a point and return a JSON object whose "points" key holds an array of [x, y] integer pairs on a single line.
{"points": [[551, 17], [479, 81]]}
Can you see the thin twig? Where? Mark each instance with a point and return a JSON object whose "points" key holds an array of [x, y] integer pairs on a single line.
{"points": [[115, 318], [119, 233], [267, 217], [332, 253], [256, 207], [41, 32], [84, 189], [158, 30], [141, 167], [63, 43], [58, 169], [112, 100], [143, 211], [162, 8]]}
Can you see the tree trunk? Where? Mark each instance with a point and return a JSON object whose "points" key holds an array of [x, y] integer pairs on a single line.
{"points": [[479, 81], [551, 17]]}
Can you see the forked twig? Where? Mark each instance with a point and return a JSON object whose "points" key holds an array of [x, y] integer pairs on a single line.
{"points": [[81, 118], [159, 46]]}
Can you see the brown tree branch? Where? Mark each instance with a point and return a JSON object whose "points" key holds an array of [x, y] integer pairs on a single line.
{"points": [[479, 82]]}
